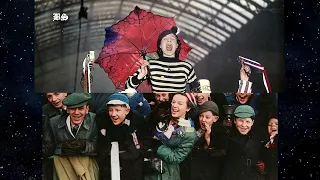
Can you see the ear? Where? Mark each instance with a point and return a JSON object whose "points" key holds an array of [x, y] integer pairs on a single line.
{"points": [[215, 119], [188, 109], [127, 111], [68, 111]]}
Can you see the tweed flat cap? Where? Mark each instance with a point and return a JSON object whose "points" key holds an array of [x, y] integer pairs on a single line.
{"points": [[76, 100]]}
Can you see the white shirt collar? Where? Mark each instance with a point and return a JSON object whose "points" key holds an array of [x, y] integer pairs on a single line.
{"points": [[68, 121], [127, 122]]}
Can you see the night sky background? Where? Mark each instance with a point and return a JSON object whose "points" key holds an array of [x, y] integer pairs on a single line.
{"points": [[20, 107]]}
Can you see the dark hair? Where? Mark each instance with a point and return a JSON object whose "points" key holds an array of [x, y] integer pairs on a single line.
{"points": [[273, 114], [189, 103]]}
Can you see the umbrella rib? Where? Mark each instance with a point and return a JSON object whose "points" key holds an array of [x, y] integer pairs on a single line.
{"points": [[141, 35], [128, 40], [122, 53]]}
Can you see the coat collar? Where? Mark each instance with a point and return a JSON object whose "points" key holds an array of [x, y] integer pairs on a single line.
{"points": [[86, 122], [250, 142]]}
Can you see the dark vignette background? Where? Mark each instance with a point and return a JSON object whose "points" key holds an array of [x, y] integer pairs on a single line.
{"points": [[20, 108]]}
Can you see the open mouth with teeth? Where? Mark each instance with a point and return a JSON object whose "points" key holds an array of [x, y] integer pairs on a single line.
{"points": [[242, 98], [114, 119], [174, 111], [243, 129], [199, 100], [169, 47], [77, 118]]}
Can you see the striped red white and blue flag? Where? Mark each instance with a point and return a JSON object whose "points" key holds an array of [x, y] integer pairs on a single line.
{"points": [[246, 86]]}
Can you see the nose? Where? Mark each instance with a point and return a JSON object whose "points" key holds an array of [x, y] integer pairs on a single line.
{"points": [[54, 98], [77, 111], [201, 119], [173, 105], [112, 113]]}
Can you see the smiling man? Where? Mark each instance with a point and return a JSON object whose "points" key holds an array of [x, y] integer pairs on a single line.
{"points": [[73, 134]]}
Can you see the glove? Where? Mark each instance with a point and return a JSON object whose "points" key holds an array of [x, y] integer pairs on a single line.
{"points": [[74, 144], [72, 147], [261, 167]]}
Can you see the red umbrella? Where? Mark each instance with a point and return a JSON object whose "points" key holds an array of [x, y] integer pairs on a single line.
{"points": [[131, 39]]}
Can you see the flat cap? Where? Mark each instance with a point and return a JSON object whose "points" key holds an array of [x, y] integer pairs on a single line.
{"points": [[244, 111], [76, 100], [209, 106]]}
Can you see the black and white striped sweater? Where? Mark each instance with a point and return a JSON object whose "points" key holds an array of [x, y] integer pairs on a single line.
{"points": [[166, 75]]}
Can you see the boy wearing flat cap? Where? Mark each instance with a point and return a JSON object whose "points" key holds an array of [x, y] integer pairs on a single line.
{"points": [[72, 135], [244, 159], [124, 129], [208, 152]]}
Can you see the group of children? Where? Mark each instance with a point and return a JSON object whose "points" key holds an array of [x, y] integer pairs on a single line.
{"points": [[189, 134]]}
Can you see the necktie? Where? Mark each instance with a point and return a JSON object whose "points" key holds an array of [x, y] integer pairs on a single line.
{"points": [[74, 130]]}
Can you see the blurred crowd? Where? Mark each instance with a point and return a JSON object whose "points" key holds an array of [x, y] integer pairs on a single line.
{"points": [[163, 136]]}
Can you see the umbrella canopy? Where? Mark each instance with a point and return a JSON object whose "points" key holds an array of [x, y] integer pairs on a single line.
{"points": [[130, 41]]}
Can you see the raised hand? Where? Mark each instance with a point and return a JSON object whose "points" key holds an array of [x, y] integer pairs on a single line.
{"points": [[144, 70], [244, 71]]}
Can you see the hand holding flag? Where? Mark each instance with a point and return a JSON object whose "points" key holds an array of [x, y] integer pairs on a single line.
{"points": [[245, 71]]}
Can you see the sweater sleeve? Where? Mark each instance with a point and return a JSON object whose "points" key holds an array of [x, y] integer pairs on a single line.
{"points": [[192, 79], [245, 86], [178, 154], [133, 81]]}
